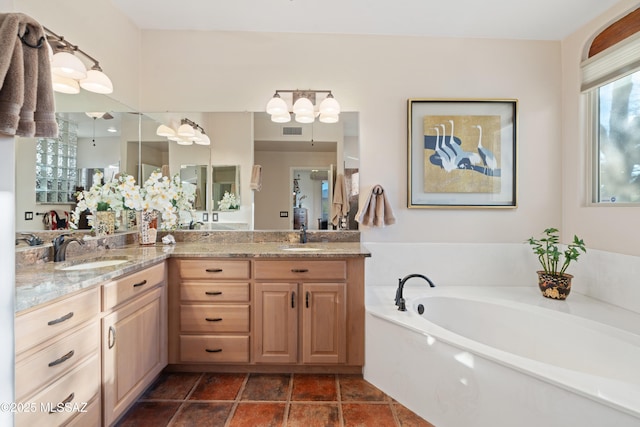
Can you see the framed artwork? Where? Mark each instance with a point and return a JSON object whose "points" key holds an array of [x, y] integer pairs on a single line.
{"points": [[461, 153]]}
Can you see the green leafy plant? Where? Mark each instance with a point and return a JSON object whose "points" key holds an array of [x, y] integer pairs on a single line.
{"points": [[550, 256]]}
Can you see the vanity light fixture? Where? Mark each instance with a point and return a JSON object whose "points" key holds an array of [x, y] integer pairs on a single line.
{"points": [[69, 73], [186, 134], [303, 106]]}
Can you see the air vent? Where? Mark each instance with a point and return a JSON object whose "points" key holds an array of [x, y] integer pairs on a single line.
{"points": [[288, 130]]}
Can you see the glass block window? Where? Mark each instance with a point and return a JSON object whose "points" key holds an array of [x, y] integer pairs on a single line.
{"points": [[56, 169]]}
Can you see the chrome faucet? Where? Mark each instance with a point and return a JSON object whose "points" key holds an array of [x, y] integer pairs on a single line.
{"points": [[303, 234], [399, 298], [60, 246]]}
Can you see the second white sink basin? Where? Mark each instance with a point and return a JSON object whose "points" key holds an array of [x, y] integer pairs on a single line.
{"points": [[93, 264]]}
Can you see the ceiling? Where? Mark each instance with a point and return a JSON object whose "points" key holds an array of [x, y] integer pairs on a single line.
{"points": [[505, 19]]}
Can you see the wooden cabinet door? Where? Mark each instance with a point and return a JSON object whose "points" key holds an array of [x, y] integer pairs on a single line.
{"points": [[275, 326], [323, 323], [134, 350]]}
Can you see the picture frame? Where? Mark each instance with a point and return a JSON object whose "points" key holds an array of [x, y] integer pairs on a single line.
{"points": [[461, 153]]}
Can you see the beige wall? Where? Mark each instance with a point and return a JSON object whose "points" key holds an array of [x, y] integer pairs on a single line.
{"points": [[375, 75], [613, 229]]}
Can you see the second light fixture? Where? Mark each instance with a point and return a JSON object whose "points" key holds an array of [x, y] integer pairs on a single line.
{"points": [[303, 107]]}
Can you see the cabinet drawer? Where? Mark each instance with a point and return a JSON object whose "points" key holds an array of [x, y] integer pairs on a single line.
{"points": [[43, 323], [209, 348], [214, 318], [214, 269], [33, 372], [122, 289], [214, 292], [92, 417], [80, 385], [301, 269]]}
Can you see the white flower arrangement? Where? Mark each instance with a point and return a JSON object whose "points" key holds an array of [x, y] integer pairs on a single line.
{"points": [[165, 196], [158, 193], [229, 201], [100, 197]]}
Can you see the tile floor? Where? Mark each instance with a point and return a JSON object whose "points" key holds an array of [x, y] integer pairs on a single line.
{"points": [[253, 400]]}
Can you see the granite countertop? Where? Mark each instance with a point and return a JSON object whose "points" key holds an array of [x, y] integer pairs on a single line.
{"points": [[40, 283]]}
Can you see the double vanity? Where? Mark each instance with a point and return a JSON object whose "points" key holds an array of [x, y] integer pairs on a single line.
{"points": [[92, 333]]}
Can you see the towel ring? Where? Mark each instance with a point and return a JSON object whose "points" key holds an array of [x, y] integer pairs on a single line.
{"points": [[24, 40]]}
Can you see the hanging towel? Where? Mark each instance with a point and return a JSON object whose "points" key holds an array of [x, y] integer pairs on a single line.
{"points": [[340, 206], [256, 178], [375, 209], [27, 106]]}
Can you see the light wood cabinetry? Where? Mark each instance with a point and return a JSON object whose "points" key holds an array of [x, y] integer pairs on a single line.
{"points": [[134, 337], [210, 311], [58, 362], [300, 317]]}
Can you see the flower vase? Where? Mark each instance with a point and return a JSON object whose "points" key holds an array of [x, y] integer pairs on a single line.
{"points": [[147, 227], [104, 223], [128, 219]]}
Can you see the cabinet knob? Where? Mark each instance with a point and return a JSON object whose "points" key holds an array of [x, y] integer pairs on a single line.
{"points": [[213, 270], [144, 282], [213, 319], [217, 350], [213, 293], [111, 336], [299, 270]]}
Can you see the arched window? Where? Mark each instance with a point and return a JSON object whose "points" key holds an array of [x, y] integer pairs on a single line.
{"points": [[611, 83]]}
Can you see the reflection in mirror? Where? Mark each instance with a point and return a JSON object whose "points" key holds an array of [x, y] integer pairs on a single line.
{"points": [[225, 182], [286, 150], [194, 182]]}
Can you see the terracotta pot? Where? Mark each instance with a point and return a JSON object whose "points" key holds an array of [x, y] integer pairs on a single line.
{"points": [[556, 286]]}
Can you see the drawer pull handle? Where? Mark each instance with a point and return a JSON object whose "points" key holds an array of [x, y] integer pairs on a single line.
{"points": [[213, 270], [213, 319], [60, 406], [293, 299], [60, 319], [299, 270], [62, 359], [217, 350], [144, 282], [306, 299], [213, 293], [111, 338]]}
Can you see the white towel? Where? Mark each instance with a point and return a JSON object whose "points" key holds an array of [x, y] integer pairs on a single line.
{"points": [[375, 209], [256, 178], [340, 206]]}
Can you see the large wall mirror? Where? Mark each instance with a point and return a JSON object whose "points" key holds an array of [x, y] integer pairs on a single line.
{"points": [[122, 140]]}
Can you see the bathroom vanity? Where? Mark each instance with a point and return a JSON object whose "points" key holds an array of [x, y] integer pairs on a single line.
{"points": [[96, 338]]}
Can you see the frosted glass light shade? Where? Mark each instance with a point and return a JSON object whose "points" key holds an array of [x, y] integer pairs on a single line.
{"points": [[186, 130], [183, 141], [204, 140], [328, 118], [329, 105], [65, 85], [303, 106], [305, 118], [277, 105], [281, 118], [97, 82], [164, 130], [68, 65]]}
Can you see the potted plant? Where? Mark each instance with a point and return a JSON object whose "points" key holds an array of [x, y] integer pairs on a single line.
{"points": [[553, 280]]}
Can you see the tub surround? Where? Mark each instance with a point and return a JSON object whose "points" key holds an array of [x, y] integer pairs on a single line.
{"points": [[39, 281]]}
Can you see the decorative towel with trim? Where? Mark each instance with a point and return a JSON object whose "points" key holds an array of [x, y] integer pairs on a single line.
{"points": [[256, 178], [375, 209], [27, 106], [340, 206]]}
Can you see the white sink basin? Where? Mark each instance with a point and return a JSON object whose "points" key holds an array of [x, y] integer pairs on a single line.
{"points": [[93, 264], [301, 249]]}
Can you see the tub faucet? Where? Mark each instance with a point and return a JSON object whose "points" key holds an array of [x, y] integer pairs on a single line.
{"points": [[399, 298], [60, 246], [303, 234]]}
